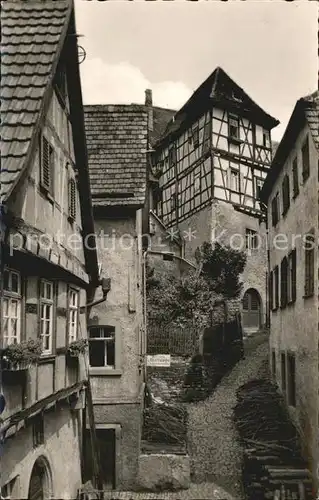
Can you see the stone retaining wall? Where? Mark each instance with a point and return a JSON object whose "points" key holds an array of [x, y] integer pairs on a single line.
{"points": [[159, 472]]}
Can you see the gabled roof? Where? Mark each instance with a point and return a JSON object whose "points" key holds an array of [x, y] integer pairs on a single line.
{"points": [[32, 37], [117, 144], [34, 33], [306, 111], [218, 89]]}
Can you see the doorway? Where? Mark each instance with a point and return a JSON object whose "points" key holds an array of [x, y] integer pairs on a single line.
{"points": [[251, 310], [40, 481], [106, 440]]}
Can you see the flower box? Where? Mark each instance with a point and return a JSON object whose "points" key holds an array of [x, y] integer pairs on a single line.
{"points": [[20, 356]]}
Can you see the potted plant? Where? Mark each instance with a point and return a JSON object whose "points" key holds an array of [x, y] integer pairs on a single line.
{"points": [[22, 355], [76, 348]]}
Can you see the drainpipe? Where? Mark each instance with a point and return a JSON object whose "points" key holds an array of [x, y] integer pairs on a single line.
{"points": [[171, 256], [105, 283]]}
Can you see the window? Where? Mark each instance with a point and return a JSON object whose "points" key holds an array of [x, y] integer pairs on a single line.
{"points": [[46, 165], [291, 371], [173, 201], [284, 283], [38, 430], [292, 268], [275, 210], [233, 127], [273, 362], [72, 199], [258, 187], [172, 155], [102, 346], [46, 315], [309, 264], [195, 133], [283, 372], [60, 83], [234, 180], [271, 290], [73, 315], [276, 288], [295, 179], [265, 139], [251, 239], [285, 195], [11, 307], [305, 160]]}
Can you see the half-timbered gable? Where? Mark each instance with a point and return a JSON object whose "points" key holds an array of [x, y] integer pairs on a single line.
{"points": [[217, 146], [211, 162], [48, 257]]}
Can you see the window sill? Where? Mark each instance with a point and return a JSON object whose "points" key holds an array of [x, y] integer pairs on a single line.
{"points": [[235, 140], [308, 295], [295, 195], [304, 179], [108, 372], [46, 358]]}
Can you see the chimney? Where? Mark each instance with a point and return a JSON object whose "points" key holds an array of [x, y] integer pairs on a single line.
{"points": [[149, 105]]}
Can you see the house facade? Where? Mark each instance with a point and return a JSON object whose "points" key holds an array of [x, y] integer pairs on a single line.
{"points": [[212, 160], [49, 266], [291, 194], [117, 138]]}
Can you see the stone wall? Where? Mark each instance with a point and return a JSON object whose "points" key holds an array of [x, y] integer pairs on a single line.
{"points": [[158, 472], [166, 383]]}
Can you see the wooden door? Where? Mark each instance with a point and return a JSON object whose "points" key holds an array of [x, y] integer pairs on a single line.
{"points": [[251, 310]]}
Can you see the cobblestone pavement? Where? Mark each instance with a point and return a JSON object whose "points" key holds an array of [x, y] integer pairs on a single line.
{"points": [[215, 453], [203, 491]]}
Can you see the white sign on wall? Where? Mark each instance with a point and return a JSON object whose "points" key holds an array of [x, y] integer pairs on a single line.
{"points": [[159, 360]]}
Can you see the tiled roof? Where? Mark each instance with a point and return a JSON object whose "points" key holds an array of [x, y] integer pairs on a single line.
{"points": [[312, 115], [117, 143], [305, 111], [31, 33], [218, 89], [161, 117]]}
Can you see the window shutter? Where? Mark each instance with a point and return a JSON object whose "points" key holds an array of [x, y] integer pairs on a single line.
{"points": [[294, 276], [283, 282], [271, 289], [45, 164], [72, 199]]}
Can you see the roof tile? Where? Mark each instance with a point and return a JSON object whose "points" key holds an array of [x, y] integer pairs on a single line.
{"points": [[30, 35], [116, 142]]}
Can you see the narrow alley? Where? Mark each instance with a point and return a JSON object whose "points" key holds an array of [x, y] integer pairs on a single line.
{"points": [[213, 447]]}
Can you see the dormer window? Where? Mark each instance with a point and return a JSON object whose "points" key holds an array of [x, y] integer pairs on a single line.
{"points": [[233, 127], [46, 165]]}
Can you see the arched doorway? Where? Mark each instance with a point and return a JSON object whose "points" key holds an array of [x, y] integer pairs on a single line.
{"points": [[251, 313], [40, 487]]}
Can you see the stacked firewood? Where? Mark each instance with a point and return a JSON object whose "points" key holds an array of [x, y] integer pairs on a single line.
{"points": [[273, 467]]}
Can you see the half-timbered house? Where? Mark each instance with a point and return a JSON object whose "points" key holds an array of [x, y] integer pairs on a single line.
{"points": [[291, 195], [48, 258], [212, 159]]}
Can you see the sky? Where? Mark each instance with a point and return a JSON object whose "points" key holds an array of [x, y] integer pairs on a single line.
{"points": [[268, 47]]}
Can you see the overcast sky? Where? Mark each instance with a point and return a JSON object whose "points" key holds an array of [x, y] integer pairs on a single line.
{"points": [[268, 47]]}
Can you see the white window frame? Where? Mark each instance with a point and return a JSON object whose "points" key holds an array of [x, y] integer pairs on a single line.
{"points": [[107, 337], [48, 303], [251, 239], [73, 312], [12, 297], [233, 122]]}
